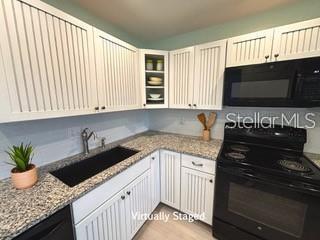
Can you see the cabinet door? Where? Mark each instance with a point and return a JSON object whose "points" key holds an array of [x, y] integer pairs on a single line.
{"points": [[181, 77], [197, 193], [118, 85], [47, 61], [209, 74], [155, 180], [300, 40], [107, 222], [148, 88], [138, 203], [252, 48], [170, 178]]}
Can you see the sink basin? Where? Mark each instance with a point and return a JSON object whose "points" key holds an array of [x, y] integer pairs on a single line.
{"points": [[78, 172]]}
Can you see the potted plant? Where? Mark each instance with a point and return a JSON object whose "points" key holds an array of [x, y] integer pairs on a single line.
{"points": [[24, 174]]}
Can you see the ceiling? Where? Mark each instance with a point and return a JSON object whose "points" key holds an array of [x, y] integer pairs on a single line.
{"points": [[156, 19]]}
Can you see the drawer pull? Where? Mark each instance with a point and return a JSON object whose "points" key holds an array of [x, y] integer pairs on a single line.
{"points": [[123, 197], [128, 192], [211, 180], [197, 164]]}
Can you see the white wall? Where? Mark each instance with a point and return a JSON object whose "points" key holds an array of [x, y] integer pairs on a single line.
{"points": [[55, 139], [186, 122]]}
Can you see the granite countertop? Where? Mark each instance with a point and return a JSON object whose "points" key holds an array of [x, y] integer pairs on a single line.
{"points": [[22, 209]]}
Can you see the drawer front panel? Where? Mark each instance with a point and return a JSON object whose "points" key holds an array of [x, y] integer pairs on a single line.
{"points": [[197, 163]]}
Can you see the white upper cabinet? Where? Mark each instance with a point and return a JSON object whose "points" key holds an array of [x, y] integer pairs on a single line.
{"points": [[252, 48], [181, 77], [294, 41], [117, 86], [210, 61], [196, 76], [299, 40], [46, 62]]}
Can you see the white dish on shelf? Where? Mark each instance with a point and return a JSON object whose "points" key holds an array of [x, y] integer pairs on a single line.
{"points": [[154, 95], [155, 79], [155, 99], [154, 83]]}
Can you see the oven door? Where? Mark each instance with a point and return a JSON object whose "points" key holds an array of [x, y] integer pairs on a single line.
{"points": [[264, 208], [262, 85]]}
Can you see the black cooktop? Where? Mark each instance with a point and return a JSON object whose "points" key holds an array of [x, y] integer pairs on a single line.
{"points": [[270, 160]]}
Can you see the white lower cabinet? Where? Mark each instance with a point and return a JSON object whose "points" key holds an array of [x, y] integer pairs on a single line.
{"points": [[170, 178], [197, 193], [120, 217], [117, 209], [107, 222], [137, 203], [155, 180]]}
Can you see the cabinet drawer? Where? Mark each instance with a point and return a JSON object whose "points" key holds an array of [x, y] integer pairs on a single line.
{"points": [[92, 200], [197, 163]]}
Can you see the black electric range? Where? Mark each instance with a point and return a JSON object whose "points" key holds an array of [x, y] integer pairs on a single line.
{"points": [[265, 187]]}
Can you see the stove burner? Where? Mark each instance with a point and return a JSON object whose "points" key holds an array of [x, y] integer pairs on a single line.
{"points": [[240, 148], [235, 156], [294, 166], [290, 157]]}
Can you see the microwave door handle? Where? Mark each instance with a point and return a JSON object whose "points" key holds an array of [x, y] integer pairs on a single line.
{"points": [[294, 91], [298, 83]]}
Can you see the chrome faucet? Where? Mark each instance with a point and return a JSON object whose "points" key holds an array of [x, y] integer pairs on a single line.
{"points": [[85, 135]]}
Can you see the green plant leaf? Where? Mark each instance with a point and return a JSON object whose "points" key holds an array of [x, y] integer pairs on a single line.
{"points": [[20, 164], [21, 156], [11, 156], [9, 163]]}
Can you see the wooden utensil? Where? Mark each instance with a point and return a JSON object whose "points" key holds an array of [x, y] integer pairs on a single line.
{"points": [[202, 119], [211, 120]]}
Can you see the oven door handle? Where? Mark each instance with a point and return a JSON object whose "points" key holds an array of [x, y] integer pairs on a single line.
{"points": [[251, 175]]}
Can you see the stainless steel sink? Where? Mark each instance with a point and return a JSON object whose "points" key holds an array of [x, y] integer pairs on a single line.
{"points": [[78, 172]]}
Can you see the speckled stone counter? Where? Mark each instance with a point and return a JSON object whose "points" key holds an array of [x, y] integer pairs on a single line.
{"points": [[314, 158], [22, 209]]}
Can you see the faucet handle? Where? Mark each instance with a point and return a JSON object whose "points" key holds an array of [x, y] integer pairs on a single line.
{"points": [[85, 130], [103, 142], [95, 135]]}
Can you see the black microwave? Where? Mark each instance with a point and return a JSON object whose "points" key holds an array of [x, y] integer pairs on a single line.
{"points": [[294, 83]]}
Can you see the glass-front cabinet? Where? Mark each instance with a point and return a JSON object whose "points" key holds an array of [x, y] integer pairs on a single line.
{"points": [[154, 76]]}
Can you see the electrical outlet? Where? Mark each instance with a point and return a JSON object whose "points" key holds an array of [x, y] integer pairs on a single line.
{"points": [[182, 121]]}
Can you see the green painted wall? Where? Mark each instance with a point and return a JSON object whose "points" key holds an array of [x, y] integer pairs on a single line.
{"points": [[84, 15], [299, 11]]}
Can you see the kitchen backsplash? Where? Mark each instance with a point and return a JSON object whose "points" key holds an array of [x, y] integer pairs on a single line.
{"points": [[55, 139], [186, 122]]}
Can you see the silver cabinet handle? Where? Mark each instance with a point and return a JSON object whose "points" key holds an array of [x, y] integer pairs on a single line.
{"points": [[197, 164]]}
